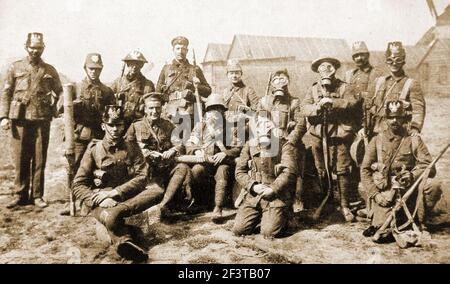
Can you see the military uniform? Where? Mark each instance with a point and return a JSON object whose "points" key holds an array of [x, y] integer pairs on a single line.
{"points": [[341, 130], [29, 100], [412, 156], [254, 167], [156, 136]]}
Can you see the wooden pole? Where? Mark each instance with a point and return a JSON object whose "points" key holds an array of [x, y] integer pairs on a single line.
{"points": [[69, 125]]}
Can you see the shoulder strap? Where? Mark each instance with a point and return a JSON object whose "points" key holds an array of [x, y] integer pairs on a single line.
{"points": [[378, 84], [342, 88], [405, 90], [379, 145]]}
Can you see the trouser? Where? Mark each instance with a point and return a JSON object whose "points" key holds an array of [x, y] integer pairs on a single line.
{"points": [[431, 195], [300, 175], [173, 180], [113, 218], [222, 174], [272, 219], [30, 143], [340, 162]]}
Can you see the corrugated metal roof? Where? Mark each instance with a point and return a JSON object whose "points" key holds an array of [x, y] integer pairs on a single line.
{"points": [[414, 55], [216, 52], [304, 49]]}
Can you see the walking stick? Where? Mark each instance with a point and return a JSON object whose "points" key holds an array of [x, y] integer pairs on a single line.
{"points": [[69, 153]]}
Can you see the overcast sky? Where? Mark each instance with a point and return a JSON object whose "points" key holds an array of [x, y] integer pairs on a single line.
{"points": [[73, 28]]}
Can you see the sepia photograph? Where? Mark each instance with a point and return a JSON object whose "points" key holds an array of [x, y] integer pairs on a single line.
{"points": [[233, 132]]}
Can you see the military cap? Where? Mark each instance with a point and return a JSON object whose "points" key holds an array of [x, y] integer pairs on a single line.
{"points": [[135, 55], [394, 109], [215, 100], [233, 65], [395, 49], [35, 40], [93, 60], [359, 47], [281, 71], [180, 40], [113, 114], [316, 63], [153, 96]]}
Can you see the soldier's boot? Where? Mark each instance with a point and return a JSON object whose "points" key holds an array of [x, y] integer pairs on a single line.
{"points": [[39, 202], [175, 183], [18, 200], [112, 217], [298, 205], [219, 200], [344, 184], [131, 251]]}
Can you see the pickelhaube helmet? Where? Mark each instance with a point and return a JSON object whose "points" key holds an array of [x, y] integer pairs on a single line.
{"points": [[35, 40], [93, 60], [316, 63], [113, 114], [395, 49], [180, 40], [233, 65], [359, 47], [135, 55], [215, 100], [394, 109]]}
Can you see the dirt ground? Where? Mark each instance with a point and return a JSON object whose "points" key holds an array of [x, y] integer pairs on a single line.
{"points": [[30, 235]]}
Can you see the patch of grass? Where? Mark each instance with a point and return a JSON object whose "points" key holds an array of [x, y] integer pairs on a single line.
{"points": [[274, 258], [201, 242], [203, 259]]}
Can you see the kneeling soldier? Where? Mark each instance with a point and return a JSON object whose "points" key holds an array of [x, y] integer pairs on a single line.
{"points": [[153, 135], [266, 170], [111, 182], [207, 140], [392, 162]]}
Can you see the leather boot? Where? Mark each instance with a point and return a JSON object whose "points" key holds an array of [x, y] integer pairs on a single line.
{"points": [[344, 185]]}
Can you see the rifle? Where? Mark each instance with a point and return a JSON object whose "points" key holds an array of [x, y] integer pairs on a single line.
{"points": [[400, 203], [69, 153], [197, 95], [326, 155]]}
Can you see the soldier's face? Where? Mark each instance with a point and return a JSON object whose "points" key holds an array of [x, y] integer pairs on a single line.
{"points": [[93, 73], [153, 110], [180, 51], [34, 52], [264, 128], [113, 131], [361, 59], [133, 67], [395, 123], [326, 70], [234, 76], [395, 63]]}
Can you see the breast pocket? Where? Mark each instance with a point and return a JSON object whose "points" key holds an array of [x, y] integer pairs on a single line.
{"points": [[22, 81]]}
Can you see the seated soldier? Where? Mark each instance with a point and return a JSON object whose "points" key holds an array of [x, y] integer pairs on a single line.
{"points": [[111, 183], [392, 162], [266, 171], [153, 135], [207, 140]]}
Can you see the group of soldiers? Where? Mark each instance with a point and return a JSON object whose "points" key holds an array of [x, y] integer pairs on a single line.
{"points": [[137, 145]]}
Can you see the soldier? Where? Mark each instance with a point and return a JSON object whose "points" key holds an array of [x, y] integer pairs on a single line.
{"points": [[284, 110], [328, 103], [178, 81], [397, 86], [392, 162], [130, 88], [266, 171], [28, 103], [111, 182], [153, 135], [92, 97], [207, 140]]}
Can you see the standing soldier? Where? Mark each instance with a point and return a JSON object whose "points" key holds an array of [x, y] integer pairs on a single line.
{"points": [[207, 140], [178, 81], [111, 183], [284, 110], [130, 88], [28, 103], [92, 98], [330, 112], [392, 163], [266, 171], [397, 86], [153, 135]]}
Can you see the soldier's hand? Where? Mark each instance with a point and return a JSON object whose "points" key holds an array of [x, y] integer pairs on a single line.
{"points": [[98, 197], [218, 158], [405, 177], [268, 193], [361, 133], [108, 203], [325, 103], [279, 169], [258, 188], [155, 154], [196, 81], [5, 124], [291, 125], [380, 200], [169, 154], [146, 153]]}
